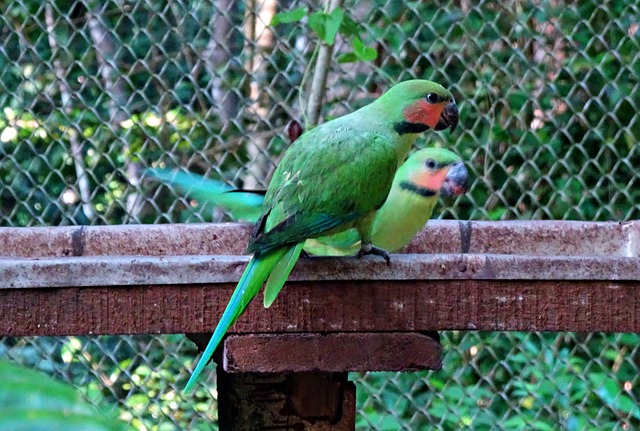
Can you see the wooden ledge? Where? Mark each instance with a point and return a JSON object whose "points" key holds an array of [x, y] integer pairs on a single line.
{"points": [[543, 238], [333, 352], [522, 276]]}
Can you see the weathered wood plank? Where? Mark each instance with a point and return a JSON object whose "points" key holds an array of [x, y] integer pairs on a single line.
{"points": [[334, 352], [291, 401], [547, 238], [143, 270], [333, 306], [556, 276]]}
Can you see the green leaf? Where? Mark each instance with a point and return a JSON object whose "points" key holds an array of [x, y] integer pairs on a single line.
{"points": [[514, 422], [363, 53], [349, 57], [517, 100], [290, 16], [326, 26], [30, 401], [349, 27], [316, 23], [332, 25], [54, 420]]}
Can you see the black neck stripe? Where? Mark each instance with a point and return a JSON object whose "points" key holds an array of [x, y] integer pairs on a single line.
{"points": [[405, 127], [422, 191]]}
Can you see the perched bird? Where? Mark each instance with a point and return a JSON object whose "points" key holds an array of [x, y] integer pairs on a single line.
{"points": [[420, 181], [424, 177], [333, 178]]}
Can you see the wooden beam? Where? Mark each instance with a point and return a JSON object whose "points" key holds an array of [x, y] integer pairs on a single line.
{"points": [[101, 271], [333, 352], [542, 238], [338, 306], [535, 276]]}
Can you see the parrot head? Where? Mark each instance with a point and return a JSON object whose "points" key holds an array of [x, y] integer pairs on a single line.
{"points": [[420, 105], [434, 172]]}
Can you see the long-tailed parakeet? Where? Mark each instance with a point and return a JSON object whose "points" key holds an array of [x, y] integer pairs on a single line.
{"points": [[424, 177], [333, 178]]}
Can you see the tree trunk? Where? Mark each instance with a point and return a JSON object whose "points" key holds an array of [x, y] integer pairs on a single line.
{"points": [[221, 58], [65, 94], [106, 47], [259, 43]]}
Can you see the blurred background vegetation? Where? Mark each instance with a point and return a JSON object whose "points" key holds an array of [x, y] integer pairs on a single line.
{"points": [[93, 92]]}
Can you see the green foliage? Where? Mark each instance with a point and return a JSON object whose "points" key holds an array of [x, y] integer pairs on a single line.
{"points": [[517, 380], [140, 377], [327, 26], [288, 17], [550, 128], [32, 401]]}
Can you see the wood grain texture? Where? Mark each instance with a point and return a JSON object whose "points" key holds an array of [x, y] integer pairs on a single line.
{"points": [[97, 271], [288, 401], [329, 306], [546, 238], [334, 352]]}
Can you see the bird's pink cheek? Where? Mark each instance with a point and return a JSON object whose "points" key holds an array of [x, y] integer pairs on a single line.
{"points": [[424, 113], [430, 180]]}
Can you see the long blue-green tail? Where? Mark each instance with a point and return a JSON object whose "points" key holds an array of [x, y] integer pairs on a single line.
{"points": [[209, 193], [253, 277]]}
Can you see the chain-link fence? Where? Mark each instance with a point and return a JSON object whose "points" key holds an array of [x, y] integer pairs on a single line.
{"points": [[94, 92]]}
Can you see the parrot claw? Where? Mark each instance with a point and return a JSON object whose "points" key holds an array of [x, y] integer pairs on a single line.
{"points": [[369, 249]]}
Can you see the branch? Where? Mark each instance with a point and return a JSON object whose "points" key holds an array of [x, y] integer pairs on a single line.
{"points": [[319, 81]]}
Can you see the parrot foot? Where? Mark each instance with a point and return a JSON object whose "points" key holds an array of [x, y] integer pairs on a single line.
{"points": [[369, 249]]}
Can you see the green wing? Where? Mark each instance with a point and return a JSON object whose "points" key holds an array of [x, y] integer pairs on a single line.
{"points": [[322, 187]]}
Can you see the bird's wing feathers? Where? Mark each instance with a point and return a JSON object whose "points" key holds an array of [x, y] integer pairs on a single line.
{"points": [[321, 186], [297, 228], [280, 273]]}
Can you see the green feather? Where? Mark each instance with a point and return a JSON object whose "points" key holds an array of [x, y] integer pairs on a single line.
{"points": [[254, 276], [189, 182], [280, 273], [320, 188], [211, 193], [399, 219]]}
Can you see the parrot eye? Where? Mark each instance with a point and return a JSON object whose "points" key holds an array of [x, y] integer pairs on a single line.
{"points": [[432, 98], [430, 163]]}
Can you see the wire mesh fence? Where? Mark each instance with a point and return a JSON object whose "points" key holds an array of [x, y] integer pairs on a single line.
{"points": [[94, 93]]}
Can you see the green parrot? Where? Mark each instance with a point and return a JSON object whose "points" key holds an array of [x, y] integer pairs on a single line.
{"points": [[421, 180], [333, 178]]}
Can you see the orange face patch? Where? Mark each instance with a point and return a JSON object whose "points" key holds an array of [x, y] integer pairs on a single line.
{"points": [[431, 180], [424, 112]]}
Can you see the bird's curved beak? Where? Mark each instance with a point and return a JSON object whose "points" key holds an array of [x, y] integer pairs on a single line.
{"points": [[456, 181], [449, 117]]}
